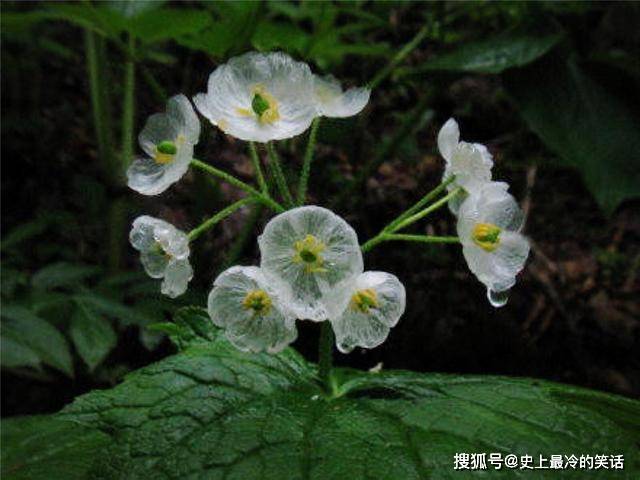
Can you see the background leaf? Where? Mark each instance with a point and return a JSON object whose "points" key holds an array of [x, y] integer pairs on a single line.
{"points": [[168, 23], [585, 124], [63, 274], [92, 335]]}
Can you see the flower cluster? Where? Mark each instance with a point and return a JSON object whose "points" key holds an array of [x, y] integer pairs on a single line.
{"points": [[489, 218], [311, 268]]}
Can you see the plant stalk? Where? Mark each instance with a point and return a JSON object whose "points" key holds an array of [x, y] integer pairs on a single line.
{"points": [[325, 355], [281, 183], [219, 216], [306, 165], [431, 208], [128, 108], [255, 159]]}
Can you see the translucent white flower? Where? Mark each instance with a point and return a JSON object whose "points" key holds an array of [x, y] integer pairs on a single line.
{"points": [[314, 253], [168, 138], [331, 101], [488, 226], [164, 253], [260, 97], [471, 163], [376, 303], [252, 310]]}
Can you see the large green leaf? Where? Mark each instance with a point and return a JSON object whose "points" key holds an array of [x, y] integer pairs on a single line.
{"points": [[22, 327], [45, 447], [63, 274], [214, 412], [586, 125], [92, 335], [167, 23], [493, 55]]}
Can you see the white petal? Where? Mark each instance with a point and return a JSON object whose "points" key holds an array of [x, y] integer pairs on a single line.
{"points": [[227, 102], [448, 139], [148, 177], [177, 276], [492, 204], [141, 235], [154, 262], [333, 102], [470, 166], [355, 328], [312, 293], [179, 108], [249, 332]]}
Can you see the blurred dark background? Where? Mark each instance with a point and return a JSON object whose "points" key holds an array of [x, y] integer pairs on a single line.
{"points": [[550, 88]]}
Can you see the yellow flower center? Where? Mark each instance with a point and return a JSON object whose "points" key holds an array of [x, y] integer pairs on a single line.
{"points": [[258, 301], [263, 105], [308, 252], [167, 149], [486, 236], [364, 300]]}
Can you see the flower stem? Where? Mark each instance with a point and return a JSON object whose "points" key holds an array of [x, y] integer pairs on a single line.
{"points": [[128, 107], [308, 158], [325, 355], [279, 175], [255, 159], [419, 204], [387, 237], [431, 208], [230, 179], [221, 215]]}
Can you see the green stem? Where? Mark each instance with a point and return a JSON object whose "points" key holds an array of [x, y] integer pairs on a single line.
{"points": [[388, 237], [431, 208], [156, 88], [230, 179], [221, 215], [281, 183], [399, 57], [255, 159], [419, 204], [325, 355], [308, 158], [128, 108]]}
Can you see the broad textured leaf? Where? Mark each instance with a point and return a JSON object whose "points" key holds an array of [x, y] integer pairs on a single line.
{"points": [[45, 447], [114, 309], [214, 412], [494, 55], [15, 354], [63, 274], [23, 327], [584, 124], [92, 335]]}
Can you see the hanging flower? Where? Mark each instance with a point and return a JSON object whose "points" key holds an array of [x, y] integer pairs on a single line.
{"points": [[168, 140], [488, 226], [376, 301], [331, 101], [471, 163], [251, 310], [314, 253], [164, 253], [259, 97]]}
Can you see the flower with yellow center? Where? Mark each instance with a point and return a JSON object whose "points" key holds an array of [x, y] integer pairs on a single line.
{"points": [[489, 224], [331, 101], [252, 309], [164, 253], [313, 253], [260, 97], [377, 302], [168, 139]]}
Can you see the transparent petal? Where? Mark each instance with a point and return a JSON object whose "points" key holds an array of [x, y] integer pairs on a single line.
{"points": [[448, 139], [148, 177], [356, 328], [469, 165], [141, 235], [181, 111], [311, 292], [230, 91], [271, 331], [492, 204], [333, 102], [154, 262], [177, 276]]}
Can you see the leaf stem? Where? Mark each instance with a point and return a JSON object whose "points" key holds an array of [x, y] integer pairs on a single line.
{"points": [[255, 159], [325, 355], [387, 237], [306, 165], [276, 168], [230, 179], [221, 215], [431, 208]]}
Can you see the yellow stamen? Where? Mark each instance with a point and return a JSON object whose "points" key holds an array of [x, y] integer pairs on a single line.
{"points": [[486, 236], [364, 300], [308, 252], [263, 105], [258, 301]]}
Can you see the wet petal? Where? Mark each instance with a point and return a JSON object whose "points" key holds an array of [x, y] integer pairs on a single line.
{"points": [[448, 139], [177, 276], [333, 102]]}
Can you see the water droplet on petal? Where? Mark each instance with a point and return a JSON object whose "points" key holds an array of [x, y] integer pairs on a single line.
{"points": [[497, 299], [345, 348]]}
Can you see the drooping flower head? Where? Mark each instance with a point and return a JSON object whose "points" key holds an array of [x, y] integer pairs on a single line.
{"points": [[376, 303], [488, 226], [314, 253], [164, 253], [251, 310], [259, 97], [331, 101], [168, 140], [471, 163]]}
